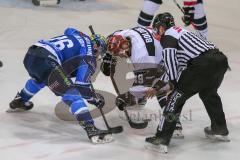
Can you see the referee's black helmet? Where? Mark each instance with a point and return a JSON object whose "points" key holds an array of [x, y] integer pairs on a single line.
{"points": [[163, 19]]}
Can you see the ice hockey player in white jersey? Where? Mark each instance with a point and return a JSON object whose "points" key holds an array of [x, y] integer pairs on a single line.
{"points": [[144, 52], [194, 14]]}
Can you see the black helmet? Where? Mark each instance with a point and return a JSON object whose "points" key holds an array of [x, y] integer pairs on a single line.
{"points": [[163, 19]]}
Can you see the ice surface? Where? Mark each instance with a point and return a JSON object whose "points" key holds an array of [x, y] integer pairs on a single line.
{"points": [[38, 134]]}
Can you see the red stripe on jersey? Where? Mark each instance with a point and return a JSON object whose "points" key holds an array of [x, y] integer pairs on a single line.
{"points": [[187, 3], [149, 27]]}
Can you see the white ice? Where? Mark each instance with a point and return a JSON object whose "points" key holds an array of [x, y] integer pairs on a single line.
{"points": [[39, 134]]}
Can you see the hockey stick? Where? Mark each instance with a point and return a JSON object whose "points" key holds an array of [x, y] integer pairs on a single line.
{"points": [[131, 123], [91, 29], [176, 3], [117, 129], [181, 9]]}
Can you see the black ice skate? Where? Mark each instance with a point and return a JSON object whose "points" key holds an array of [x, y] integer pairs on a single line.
{"points": [[141, 102], [17, 105], [178, 131], [156, 144], [220, 135], [96, 135], [45, 2]]}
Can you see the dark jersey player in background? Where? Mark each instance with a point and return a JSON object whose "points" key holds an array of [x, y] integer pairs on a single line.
{"points": [[194, 14]]}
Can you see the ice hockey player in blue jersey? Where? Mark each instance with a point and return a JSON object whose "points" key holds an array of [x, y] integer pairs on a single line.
{"points": [[53, 63]]}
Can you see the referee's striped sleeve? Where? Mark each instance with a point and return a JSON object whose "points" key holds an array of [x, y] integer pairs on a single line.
{"points": [[170, 62]]}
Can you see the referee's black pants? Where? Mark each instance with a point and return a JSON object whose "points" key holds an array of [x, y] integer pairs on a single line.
{"points": [[203, 75]]}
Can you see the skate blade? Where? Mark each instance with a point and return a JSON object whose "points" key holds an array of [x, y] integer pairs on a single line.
{"points": [[48, 2], [177, 134], [156, 148], [218, 138], [10, 110], [106, 139]]}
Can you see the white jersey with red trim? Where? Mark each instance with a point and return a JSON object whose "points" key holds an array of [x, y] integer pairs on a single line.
{"points": [[145, 50], [146, 53]]}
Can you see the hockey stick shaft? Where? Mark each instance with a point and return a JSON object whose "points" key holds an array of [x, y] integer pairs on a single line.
{"points": [[178, 6], [118, 93], [181, 9], [115, 85], [93, 33], [117, 129], [132, 124], [104, 118], [91, 29]]}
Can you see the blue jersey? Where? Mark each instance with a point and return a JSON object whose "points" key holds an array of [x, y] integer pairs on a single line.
{"points": [[72, 44], [74, 52]]}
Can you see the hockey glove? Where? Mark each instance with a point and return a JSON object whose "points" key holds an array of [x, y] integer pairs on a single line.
{"points": [[99, 101], [120, 103], [124, 100], [188, 15], [162, 88], [108, 65]]}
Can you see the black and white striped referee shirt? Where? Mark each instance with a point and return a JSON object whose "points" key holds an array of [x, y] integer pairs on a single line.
{"points": [[180, 46]]}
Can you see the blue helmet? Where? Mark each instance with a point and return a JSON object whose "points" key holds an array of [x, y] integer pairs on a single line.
{"points": [[99, 43]]}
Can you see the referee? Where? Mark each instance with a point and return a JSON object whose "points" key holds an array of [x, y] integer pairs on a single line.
{"points": [[194, 65]]}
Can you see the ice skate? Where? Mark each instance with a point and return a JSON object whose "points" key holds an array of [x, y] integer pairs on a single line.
{"points": [[221, 135], [96, 135], [141, 102], [17, 105], [45, 2], [177, 134], [156, 144]]}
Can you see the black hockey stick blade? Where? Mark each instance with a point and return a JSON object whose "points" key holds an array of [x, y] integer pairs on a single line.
{"points": [[142, 125], [114, 130], [138, 125]]}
